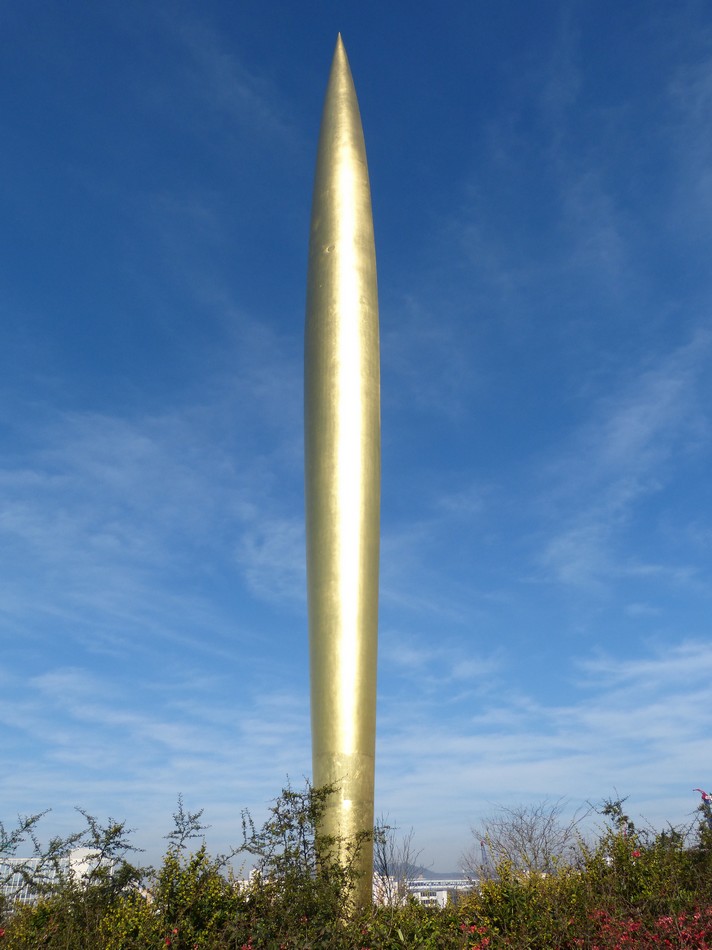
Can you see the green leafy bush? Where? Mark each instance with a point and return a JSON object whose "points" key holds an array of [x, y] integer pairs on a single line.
{"points": [[628, 888]]}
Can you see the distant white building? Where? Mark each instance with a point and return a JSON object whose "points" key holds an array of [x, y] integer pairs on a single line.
{"points": [[436, 893], [429, 893], [22, 879]]}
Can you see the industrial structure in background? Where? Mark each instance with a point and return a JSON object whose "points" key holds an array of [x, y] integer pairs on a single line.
{"points": [[430, 892]]}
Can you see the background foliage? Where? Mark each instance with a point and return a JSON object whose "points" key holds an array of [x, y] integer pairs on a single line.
{"points": [[628, 887]]}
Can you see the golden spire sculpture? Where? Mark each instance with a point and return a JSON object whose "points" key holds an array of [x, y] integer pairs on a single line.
{"points": [[343, 470]]}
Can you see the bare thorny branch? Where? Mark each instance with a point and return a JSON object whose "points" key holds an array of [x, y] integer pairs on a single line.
{"points": [[531, 838]]}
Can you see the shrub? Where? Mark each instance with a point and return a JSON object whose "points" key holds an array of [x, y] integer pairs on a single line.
{"points": [[299, 894], [70, 902], [628, 888]]}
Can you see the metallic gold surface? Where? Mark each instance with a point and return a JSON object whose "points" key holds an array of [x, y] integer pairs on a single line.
{"points": [[343, 467]]}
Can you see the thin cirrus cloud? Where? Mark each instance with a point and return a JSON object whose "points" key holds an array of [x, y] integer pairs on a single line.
{"points": [[224, 84], [224, 749], [633, 725], [623, 455]]}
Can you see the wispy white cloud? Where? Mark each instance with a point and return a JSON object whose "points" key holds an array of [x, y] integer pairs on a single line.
{"points": [[597, 229], [216, 82], [685, 663], [426, 360], [467, 502], [559, 85], [272, 557], [690, 95], [108, 743], [434, 667], [637, 726], [101, 507], [622, 455]]}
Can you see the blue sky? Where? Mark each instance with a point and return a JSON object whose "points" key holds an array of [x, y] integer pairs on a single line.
{"points": [[542, 192]]}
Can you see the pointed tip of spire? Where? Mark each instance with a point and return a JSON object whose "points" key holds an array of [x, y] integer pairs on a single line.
{"points": [[340, 55]]}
